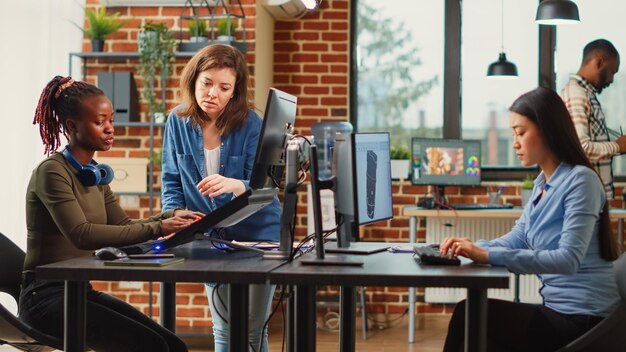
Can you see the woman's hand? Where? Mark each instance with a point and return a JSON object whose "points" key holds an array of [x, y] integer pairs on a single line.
{"points": [[463, 246], [216, 184], [188, 214], [174, 224]]}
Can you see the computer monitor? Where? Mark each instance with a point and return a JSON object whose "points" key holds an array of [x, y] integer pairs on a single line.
{"points": [[278, 121], [362, 185], [445, 162]]}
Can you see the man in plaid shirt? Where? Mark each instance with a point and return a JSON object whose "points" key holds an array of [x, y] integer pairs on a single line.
{"points": [[599, 65]]}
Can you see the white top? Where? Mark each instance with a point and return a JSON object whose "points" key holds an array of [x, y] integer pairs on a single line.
{"points": [[212, 160]]}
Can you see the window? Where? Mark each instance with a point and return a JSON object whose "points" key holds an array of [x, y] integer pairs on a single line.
{"points": [[599, 19], [400, 68], [485, 102]]}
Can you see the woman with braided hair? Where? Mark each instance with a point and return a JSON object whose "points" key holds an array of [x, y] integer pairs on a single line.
{"points": [[71, 211]]}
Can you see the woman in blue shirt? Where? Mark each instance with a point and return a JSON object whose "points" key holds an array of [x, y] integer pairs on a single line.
{"points": [[563, 236], [209, 145]]}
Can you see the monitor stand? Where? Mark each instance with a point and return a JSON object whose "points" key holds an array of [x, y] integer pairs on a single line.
{"points": [[320, 257], [362, 248]]}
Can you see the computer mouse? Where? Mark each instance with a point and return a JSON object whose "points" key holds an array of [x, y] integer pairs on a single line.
{"points": [[110, 253]]}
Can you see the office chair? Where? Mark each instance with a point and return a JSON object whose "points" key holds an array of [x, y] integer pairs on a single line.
{"points": [[609, 334], [13, 331]]}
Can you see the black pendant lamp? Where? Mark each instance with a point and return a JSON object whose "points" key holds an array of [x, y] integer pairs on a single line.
{"points": [[553, 12], [502, 68]]}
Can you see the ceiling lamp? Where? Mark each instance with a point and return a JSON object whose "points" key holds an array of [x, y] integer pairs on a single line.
{"points": [[502, 68], [554, 12]]}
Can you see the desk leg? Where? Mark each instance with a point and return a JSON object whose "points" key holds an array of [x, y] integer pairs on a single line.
{"points": [[476, 320], [291, 319], [75, 316], [347, 303], [620, 235], [168, 305], [305, 318], [412, 239], [238, 317]]}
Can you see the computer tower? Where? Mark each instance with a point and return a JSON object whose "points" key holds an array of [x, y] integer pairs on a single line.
{"points": [[121, 89]]}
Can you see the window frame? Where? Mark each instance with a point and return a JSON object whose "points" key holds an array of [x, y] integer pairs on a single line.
{"points": [[452, 95]]}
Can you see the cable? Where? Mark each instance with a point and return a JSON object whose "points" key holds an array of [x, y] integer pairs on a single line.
{"points": [[280, 298], [387, 323], [213, 292]]}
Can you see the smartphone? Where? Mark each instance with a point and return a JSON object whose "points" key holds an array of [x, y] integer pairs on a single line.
{"points": [[151, 256]]}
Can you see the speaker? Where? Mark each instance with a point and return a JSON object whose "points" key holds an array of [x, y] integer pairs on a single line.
{"points": [[92, 174], [121, 89]]}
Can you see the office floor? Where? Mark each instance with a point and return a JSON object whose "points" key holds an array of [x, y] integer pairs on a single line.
{"points": [[429, 339]]}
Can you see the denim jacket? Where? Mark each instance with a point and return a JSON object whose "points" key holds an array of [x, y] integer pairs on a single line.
{"points": [[183, 167]]}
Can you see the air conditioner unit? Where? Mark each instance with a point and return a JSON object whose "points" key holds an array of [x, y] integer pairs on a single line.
{"points": [[283, 10]]}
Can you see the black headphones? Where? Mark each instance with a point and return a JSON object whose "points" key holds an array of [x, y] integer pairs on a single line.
{"points": [[92, 174]]}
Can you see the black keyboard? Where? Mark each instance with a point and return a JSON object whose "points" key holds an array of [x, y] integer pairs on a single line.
{"points": [[480, 206], [431, 255]]}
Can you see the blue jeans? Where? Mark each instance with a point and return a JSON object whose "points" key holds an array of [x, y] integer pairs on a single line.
{"points": [[260, 301]]}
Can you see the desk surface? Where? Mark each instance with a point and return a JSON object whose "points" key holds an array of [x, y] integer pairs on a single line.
{"points": [[202, 264], [513, 213], [391, 269]]}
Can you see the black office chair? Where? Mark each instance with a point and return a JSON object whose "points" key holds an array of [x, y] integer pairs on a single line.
{"points": [[610, 333], [13, 331]]}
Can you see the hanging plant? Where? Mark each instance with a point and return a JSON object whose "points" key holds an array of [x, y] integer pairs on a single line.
{"points": [[156, 44]]}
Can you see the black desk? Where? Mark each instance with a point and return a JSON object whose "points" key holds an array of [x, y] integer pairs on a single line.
{"points": [[387, 269], [203, 264]]}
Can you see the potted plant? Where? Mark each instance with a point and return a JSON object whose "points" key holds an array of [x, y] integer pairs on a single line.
{"points": [[400, 162], [225, 30], [100, 26], [197, 36], [156, 44], [197, 30], [527, 189]]}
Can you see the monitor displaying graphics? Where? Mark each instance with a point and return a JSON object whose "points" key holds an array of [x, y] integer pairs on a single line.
{"points": [[372, 175], [442, 162]]}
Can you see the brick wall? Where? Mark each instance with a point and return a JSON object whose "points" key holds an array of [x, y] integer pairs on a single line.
{"points": [[311, 62]]}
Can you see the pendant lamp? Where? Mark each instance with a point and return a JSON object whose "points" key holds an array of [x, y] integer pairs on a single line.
{"points": [[554, 12], [502, 68]]}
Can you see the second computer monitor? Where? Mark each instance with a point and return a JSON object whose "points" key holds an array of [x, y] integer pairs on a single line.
{"points": [[442, 162], [372, 173]]}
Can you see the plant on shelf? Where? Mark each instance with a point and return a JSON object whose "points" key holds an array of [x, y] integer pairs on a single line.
{"points": [[225, 30], [197, 30], [100, 26], [528, 184], [400, 162], [156, 54]]}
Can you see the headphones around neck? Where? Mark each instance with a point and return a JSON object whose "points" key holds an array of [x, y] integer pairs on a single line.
{"points": [[92, 174]]}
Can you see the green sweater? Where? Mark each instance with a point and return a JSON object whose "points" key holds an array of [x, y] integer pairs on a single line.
{"points": [[66, 220]]}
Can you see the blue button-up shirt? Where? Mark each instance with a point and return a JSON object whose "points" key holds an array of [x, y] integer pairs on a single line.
{"points": [[557, 239], [184, 166]]}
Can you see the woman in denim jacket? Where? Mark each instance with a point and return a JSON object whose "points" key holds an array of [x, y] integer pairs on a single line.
{"points": [[209, 145]]}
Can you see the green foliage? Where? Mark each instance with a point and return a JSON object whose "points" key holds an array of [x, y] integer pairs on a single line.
{"points": [[222, 27], [157, 158], [156, 53], [399, 153], [197, 28], [387, 60], [528, 182], [101, 25]]}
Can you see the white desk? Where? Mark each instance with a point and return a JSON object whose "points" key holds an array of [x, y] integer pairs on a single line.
{"points": [[414, 212]]}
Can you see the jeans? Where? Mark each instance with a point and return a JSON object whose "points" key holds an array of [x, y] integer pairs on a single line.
{"points": [[513, 327], [260, 301], [111, 325]]}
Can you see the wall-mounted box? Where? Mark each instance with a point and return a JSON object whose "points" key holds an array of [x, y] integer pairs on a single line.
{"points": [[121, 89], [131, 174]]}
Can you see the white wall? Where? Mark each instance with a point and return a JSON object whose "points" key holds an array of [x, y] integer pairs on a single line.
{"points": [[36, 37]]}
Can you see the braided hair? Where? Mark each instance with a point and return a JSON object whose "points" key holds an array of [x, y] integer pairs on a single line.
{"points": [[60, 100]]}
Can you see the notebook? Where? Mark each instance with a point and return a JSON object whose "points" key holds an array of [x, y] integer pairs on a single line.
{"points": [[143, 262]]}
